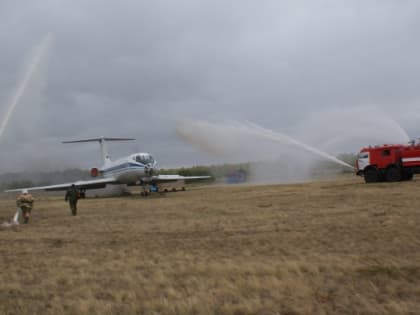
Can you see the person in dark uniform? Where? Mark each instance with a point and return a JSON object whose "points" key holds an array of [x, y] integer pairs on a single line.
{"points": [[72, 195]]}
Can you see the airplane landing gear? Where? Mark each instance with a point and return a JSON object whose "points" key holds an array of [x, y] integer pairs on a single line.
{"points": [[149, 189], [145, 192]]}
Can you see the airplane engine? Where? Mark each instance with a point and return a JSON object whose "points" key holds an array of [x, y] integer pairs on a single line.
{"points": [[94, 172]]}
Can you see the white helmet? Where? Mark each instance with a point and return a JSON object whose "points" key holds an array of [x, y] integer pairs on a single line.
{"points": [[24, 191]]}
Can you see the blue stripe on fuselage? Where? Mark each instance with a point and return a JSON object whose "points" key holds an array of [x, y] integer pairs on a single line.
{"points": [[127, 165]]}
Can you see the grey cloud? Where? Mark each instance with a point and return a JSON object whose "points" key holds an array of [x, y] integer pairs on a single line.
{"points": [[136, 67]]}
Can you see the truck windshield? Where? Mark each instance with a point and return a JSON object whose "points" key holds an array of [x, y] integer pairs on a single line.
{"points": [[363, 155]]}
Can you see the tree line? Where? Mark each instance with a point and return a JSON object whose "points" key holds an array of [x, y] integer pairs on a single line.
{"points": [[217, 172]]}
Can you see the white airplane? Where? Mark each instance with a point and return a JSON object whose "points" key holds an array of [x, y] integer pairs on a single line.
{"points": [[135, 169]]}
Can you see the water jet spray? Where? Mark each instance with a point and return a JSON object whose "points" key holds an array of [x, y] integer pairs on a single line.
{"points": [[39, 53], [249, 142], [284, 138]]}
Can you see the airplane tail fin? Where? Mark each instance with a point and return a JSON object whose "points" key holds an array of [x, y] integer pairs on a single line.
{"points": [[102, 142]]}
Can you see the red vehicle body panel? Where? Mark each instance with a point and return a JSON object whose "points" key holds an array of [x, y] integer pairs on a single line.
{"points": [[404, 159]]}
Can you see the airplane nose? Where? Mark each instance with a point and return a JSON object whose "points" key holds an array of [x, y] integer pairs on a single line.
{"points": [[149, 170]]}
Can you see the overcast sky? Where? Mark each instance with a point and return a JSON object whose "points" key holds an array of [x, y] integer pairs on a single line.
{"points": [[134, 68]]}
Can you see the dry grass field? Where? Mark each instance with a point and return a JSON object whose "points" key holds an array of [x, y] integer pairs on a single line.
{"points": [[331, 247]]}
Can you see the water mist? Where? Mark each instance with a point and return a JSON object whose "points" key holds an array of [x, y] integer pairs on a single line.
{"points": [[276, 157]]}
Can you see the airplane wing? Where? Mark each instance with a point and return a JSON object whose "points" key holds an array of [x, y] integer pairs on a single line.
{"points": [[81, 184], [174, 178]]}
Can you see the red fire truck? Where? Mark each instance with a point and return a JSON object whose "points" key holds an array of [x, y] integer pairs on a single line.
{"points": [[391, 163]]}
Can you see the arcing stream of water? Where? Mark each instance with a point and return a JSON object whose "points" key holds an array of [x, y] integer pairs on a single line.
{"points": [[38, 55], [344, 130], [282, 138], [246, 138]]}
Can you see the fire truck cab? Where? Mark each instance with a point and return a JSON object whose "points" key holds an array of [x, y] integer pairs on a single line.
{"points": [[389, 163]]}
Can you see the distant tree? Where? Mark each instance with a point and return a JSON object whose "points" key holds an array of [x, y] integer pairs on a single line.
{"points": [[34, 178], [217, 172], [19, 184], [195, 171]]}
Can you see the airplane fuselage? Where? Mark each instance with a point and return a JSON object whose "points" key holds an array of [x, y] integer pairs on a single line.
{"points": [[134, 169]]}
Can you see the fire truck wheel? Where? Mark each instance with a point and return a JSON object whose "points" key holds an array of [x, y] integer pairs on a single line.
{"points": [[393, 174], [407, 175], [371, 175]]}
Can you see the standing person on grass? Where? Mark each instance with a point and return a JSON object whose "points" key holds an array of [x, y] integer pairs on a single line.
{"points": [[72, 195], [25, 203]]}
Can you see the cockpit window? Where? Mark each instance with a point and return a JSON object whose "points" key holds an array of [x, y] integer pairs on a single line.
{"points": [[144, 159], [363, 155]]}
